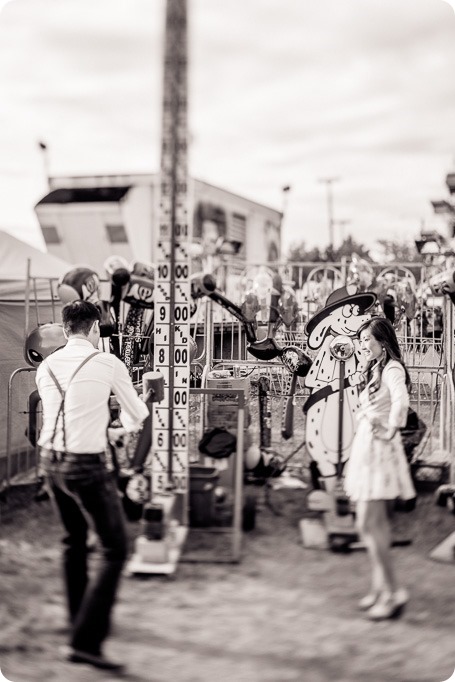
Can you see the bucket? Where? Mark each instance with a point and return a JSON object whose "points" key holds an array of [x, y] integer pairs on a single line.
{"points": [[313, 532], [203, 481]]}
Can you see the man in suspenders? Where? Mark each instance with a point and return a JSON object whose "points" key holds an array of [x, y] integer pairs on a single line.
{"points": [[74, 384]]}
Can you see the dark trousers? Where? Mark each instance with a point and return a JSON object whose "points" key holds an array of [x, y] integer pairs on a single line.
{"points": [[82, 487]]}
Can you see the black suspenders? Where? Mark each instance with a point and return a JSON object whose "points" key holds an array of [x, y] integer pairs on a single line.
{"points": [[61, 409]]}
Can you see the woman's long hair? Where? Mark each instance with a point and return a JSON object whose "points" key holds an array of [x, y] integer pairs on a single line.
{"points": [[382, 330]]}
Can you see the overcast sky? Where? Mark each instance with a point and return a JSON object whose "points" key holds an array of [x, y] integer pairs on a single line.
{"points": [[282, 92]]}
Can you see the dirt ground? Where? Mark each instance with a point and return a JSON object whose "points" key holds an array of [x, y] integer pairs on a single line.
{"points": [[283, 613]]}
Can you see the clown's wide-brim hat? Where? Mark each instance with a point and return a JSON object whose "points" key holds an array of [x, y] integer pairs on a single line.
{"points": [[337, 299]]}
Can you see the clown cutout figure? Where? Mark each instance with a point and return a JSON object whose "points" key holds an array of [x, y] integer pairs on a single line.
{"points": [[344, 313]]}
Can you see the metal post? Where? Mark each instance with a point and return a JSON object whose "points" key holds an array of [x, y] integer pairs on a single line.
{"points": [[340, 420], [238, 479], [27, 300]]}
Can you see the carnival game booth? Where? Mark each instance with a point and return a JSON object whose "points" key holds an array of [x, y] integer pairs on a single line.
{"points": [[23, 306], [419, 313], [273, 323], [404, 293]]}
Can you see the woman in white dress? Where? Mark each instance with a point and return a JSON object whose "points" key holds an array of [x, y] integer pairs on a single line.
{"points": [[377, 469]]}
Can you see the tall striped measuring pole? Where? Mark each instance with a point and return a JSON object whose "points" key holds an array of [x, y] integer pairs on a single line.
{"points": [[172, 291]]}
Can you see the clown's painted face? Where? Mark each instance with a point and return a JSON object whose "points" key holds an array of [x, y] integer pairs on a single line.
{"points": [[348, 319]]}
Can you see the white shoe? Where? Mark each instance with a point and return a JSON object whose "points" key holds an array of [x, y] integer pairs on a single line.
{"points": [[401, 596], [368, 601], [388, 606]]}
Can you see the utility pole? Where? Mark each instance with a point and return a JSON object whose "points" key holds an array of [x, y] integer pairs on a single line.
{"points": [[45, 154], [329, 182], [285, 192]]}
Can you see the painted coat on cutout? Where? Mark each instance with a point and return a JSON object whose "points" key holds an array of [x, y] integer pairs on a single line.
{"points": [[344, 313]]}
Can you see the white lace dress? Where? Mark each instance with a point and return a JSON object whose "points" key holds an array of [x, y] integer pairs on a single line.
{"points": [[378, 469]]}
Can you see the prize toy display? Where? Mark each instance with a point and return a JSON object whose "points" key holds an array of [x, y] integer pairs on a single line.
{"points": [[79, 283], [206, 286], [444, 284], [319, 284], [262, 462], [395, 288], [256, 288], [279, 312], [396, 292], [137, 329], [282, 310], [279, 309], [119, 275], [83, 283], [360, 273], [132, 286]]}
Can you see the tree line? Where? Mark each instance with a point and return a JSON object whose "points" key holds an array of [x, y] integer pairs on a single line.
{"points": [[394, 251]]}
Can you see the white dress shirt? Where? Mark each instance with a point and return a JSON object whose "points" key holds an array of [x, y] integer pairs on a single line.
{"points": [[87, 400]]}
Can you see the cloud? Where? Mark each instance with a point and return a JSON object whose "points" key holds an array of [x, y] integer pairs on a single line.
{"points": [[3, 3], [366, 92], [451, 3], [280, 93]]}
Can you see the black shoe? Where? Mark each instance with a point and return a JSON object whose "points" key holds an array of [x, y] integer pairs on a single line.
{"points": [[97, 660]]}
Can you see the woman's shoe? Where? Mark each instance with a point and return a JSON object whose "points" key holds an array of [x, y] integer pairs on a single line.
{"points": [[401, 597], [388, 607], [368, 601]]}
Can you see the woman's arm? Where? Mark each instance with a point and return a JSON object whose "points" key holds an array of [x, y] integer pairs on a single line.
{"points": [[395, 379]]}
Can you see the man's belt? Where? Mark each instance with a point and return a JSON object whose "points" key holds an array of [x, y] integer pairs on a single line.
{"points": [[61, 454]]}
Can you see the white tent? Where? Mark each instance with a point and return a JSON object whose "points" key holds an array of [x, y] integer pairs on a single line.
{"points": [[17, 261], [14, 258]]}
